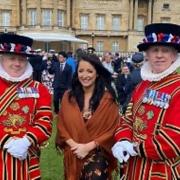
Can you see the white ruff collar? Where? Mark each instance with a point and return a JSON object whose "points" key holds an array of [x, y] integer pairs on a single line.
{"points": [[27, 74], [147, 74]]}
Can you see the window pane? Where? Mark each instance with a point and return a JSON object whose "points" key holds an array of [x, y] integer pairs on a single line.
{"points": [[46, 17], [100, 22], [165, 6], [32, 17], [140, 24], [84, 18], [83, 45], [115, 46], [116, 23], [6, 17], [100, 47], [60, 18]]}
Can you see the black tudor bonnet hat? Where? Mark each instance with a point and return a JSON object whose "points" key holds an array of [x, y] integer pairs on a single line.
{"points": [[161, 34], [15, 44]]}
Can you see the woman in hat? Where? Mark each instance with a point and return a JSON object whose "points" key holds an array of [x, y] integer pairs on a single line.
{"points": [[25, 111], [85, 133], [148, 137]]}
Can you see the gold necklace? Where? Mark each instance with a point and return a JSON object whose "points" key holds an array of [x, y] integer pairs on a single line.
{"points": [[87, 114]]}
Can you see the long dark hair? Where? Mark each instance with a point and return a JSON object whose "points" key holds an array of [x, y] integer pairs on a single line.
{"points": [[103, 81]]}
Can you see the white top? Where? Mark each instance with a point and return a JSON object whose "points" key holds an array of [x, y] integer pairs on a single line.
{"points": [[108, 66]]}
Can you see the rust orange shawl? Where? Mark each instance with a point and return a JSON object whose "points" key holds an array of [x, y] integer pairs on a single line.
{"points": [[100, 128]]}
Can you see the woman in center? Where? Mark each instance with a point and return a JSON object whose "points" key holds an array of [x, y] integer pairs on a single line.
{"points": [[87, 120]]}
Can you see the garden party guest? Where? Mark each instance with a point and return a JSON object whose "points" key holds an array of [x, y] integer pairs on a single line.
{"points": [[87, 121]]}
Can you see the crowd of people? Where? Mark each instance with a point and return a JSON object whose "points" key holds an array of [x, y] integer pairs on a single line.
{"points": [[124, 69], [110, 109]]}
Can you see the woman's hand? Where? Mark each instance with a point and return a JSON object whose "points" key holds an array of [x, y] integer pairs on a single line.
{"points": [[82, 150], [71, 143]]}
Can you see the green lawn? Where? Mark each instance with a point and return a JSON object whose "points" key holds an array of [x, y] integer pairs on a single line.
{"points": [[51, 161], [178, 70]]}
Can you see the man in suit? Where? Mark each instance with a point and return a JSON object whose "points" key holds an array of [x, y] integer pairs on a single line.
{"points": [[62, 78], [117, 62], [124, 87]]}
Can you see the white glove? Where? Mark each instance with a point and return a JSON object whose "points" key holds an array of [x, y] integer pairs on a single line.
{"points": [[120, 153], [9, 143], [129, 147], [24, 156], [18, 147]]}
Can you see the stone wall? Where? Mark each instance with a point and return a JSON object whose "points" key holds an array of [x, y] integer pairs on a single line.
{"points": [[129, 36]]}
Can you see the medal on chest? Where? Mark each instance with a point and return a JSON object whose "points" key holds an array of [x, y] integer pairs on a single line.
{"points": [[156, 98], [28, 92]]}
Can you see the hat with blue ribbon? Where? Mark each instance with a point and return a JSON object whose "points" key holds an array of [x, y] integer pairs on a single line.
{"points": [[16, 44], [161, 34]]}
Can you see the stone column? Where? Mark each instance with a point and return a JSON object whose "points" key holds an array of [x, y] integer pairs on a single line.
{"points": [[68, 13], [55, 8], [149, 11], [39, 12], [18, 21], [92, 25], [135, 13], [131, 15], [22, 13]]}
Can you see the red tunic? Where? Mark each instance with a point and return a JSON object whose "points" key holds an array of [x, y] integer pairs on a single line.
{"points": [[30, 115], [156, 129]]}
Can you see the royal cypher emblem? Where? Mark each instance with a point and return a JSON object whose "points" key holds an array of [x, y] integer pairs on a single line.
{"points": [[13, 123], [13, 120]]}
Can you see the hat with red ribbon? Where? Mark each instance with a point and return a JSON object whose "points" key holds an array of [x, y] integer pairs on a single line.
{"points": [[16, 44], [161, 34]]}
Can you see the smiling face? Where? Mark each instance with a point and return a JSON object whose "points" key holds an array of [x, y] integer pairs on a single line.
{"points": [[125, 70], [87, 75], [160, 57], [14, 65]]}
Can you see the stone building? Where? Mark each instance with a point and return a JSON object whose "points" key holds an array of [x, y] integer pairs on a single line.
{"points": [[107, 25]]}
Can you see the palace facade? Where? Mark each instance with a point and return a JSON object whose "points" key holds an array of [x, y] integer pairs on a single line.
{"points": [[107, 25]]}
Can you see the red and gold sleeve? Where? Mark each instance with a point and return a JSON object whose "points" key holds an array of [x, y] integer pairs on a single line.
{"points": [[4, 137], [41, 129]]}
